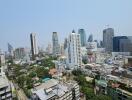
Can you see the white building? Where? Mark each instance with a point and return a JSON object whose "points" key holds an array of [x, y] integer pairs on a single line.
{"points": [[73, 51], [91, 46], [49, 49], [2, 59], [5, 87], [55, 90]]}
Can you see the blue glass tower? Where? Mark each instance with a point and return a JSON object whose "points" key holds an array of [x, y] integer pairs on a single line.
{"points": [[122, 44], [82, 36]]}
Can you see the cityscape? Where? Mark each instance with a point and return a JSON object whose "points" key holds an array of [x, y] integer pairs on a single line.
{"points": [[73, 65]]}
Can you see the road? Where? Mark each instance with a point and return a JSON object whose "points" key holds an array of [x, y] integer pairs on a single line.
{"points": [[20, 93]]}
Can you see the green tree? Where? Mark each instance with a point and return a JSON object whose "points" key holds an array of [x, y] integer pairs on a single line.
{"points": [[77, 72], [41, 72], [89, 92], [32, 74], [21, 80], [29, 82], [101, 97]]}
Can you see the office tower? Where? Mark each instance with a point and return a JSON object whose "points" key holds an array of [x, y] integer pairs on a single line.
{"points": [[90, 38], [108, 35], [56, 48], [101, 44], [65, 43], [10, 49], [82, 36], [34, 47], [122, 44], [19, 53], [73, 51]]}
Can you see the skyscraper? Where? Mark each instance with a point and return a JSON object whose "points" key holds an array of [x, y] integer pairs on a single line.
{"points": [[122, 44], [108, 35], [34, 48], [73, 50], [65, 43], [56, 47], [82, 36], [90, 38], [10, 49]]}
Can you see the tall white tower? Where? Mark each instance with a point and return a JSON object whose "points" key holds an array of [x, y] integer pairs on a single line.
{"points": [[73, 50]]}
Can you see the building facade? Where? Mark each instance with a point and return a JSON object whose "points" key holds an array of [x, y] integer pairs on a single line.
{"points": [[34, 47], [90, 38], [55, 90], [19, 53], [56, 47], [65, 43], [49, 49], [10, 50], [82, 36], [5, 87], [108, 35], [122, 44], [2, 59], [74, 58]]}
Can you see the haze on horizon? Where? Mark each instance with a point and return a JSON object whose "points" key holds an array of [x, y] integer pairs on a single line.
{"points": [[18, 18]]}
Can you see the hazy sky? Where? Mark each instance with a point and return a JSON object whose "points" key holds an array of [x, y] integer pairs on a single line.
{"points": [[18, 18]]}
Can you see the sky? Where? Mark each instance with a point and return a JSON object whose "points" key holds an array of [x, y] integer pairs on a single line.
{"points": [[18, 18]]}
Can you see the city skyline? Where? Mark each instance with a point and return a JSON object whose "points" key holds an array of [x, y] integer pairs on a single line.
{"points": [[20, 18]]}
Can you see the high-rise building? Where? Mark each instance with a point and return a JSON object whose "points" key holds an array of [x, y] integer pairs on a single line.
{"points": [[65, 43], [73, 51], [56, 47], [34, 47], [108, 35], [2, 59], [10, 49], [19, 53], [101, 44], [90, 38], [122, 44], [82, 36]]}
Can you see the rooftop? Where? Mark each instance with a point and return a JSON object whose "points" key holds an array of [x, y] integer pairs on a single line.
{"points": [[3, 81], [48, 84]]}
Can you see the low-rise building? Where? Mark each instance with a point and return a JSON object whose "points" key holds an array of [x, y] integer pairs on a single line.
{"points": [[5, 87], [55, 90]]}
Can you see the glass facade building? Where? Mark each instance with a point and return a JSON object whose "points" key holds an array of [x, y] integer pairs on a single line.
{"points": [[108, 35], [82, 36], [122, 44]]}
